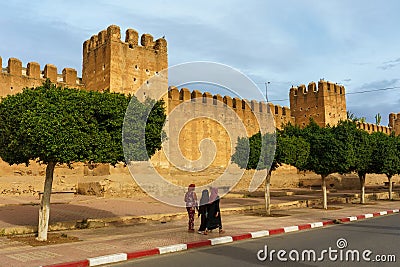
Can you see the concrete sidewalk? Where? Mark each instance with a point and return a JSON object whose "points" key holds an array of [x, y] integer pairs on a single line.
{"points": [[165, 225]]}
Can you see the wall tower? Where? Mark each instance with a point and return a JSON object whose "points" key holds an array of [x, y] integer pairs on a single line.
{"points": [[111, 64], [394, 123], [326, 104]]}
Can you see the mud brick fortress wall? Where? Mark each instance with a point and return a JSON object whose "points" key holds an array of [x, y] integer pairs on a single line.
{"points": [[246, 112], [14, 77], [124, 66]]}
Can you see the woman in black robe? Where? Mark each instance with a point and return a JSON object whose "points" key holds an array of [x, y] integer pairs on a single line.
{"points": [[214, 213], [203, 211]]}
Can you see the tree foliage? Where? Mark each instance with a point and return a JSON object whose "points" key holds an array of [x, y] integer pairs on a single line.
{"points": [[60, 125]]}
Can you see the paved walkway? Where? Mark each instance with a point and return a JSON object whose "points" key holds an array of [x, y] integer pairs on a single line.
{"points": [[22, 211]]}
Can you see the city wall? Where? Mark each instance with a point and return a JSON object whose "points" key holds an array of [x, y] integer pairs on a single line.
{"points": [[371, 128], [213, 117], [14, 77], [124, 66]]}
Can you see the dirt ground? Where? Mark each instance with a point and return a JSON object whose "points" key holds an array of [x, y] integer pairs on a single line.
{"points": [[52, 239]]}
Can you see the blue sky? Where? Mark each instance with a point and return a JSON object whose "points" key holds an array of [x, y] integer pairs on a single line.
{"points": [[354, 43]]}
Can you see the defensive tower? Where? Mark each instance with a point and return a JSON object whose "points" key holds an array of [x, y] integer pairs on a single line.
{"points": [[111, 64], [326, 104]]}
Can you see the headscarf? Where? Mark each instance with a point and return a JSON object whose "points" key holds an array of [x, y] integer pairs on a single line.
{"points": [[204, 197], [214, 194], [191, 187]]}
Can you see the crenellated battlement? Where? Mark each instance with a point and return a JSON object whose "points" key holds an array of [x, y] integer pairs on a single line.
{"points": [[371, 128], [14, 77], [113, 33], [324, 88], [282, 115]]}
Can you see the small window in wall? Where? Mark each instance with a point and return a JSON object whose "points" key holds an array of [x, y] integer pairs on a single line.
{"points": [[11, 88], [276, 110], [136, 67], [147, 82]]}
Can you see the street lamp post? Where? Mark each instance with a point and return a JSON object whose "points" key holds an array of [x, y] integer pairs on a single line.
{"points": [[266, 90]]}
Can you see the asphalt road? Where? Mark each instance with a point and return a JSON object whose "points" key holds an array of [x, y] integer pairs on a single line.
{"points": [[373, 239]]}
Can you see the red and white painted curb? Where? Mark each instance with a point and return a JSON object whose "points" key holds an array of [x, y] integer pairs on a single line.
{"points": [[119, 257]]}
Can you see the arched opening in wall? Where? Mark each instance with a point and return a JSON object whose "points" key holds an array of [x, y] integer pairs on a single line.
{"points": [[136, 67], [234, 103], [204, 99], [284, 111], [276, 110], [340, 91], [260, 109], [368, 127], [181, 95], [243, 104]]}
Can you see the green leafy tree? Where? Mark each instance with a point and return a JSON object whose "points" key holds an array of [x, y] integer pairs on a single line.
{"points": [[386, 156], [363, 148], [360, 141], [330, 152], [268, 152], [60, 126]]}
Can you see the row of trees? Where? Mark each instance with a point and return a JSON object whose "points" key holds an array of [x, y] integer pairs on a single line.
{"points": [[54, 125], [323, 150]]}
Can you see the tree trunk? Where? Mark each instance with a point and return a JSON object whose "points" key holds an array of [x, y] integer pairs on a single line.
{"points": [[44, 211], [267, 193], [324, 191], [362, 184], [390, 186]]}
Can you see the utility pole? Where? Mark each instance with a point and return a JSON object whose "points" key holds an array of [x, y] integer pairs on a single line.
{"points": [[266, 90]]}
